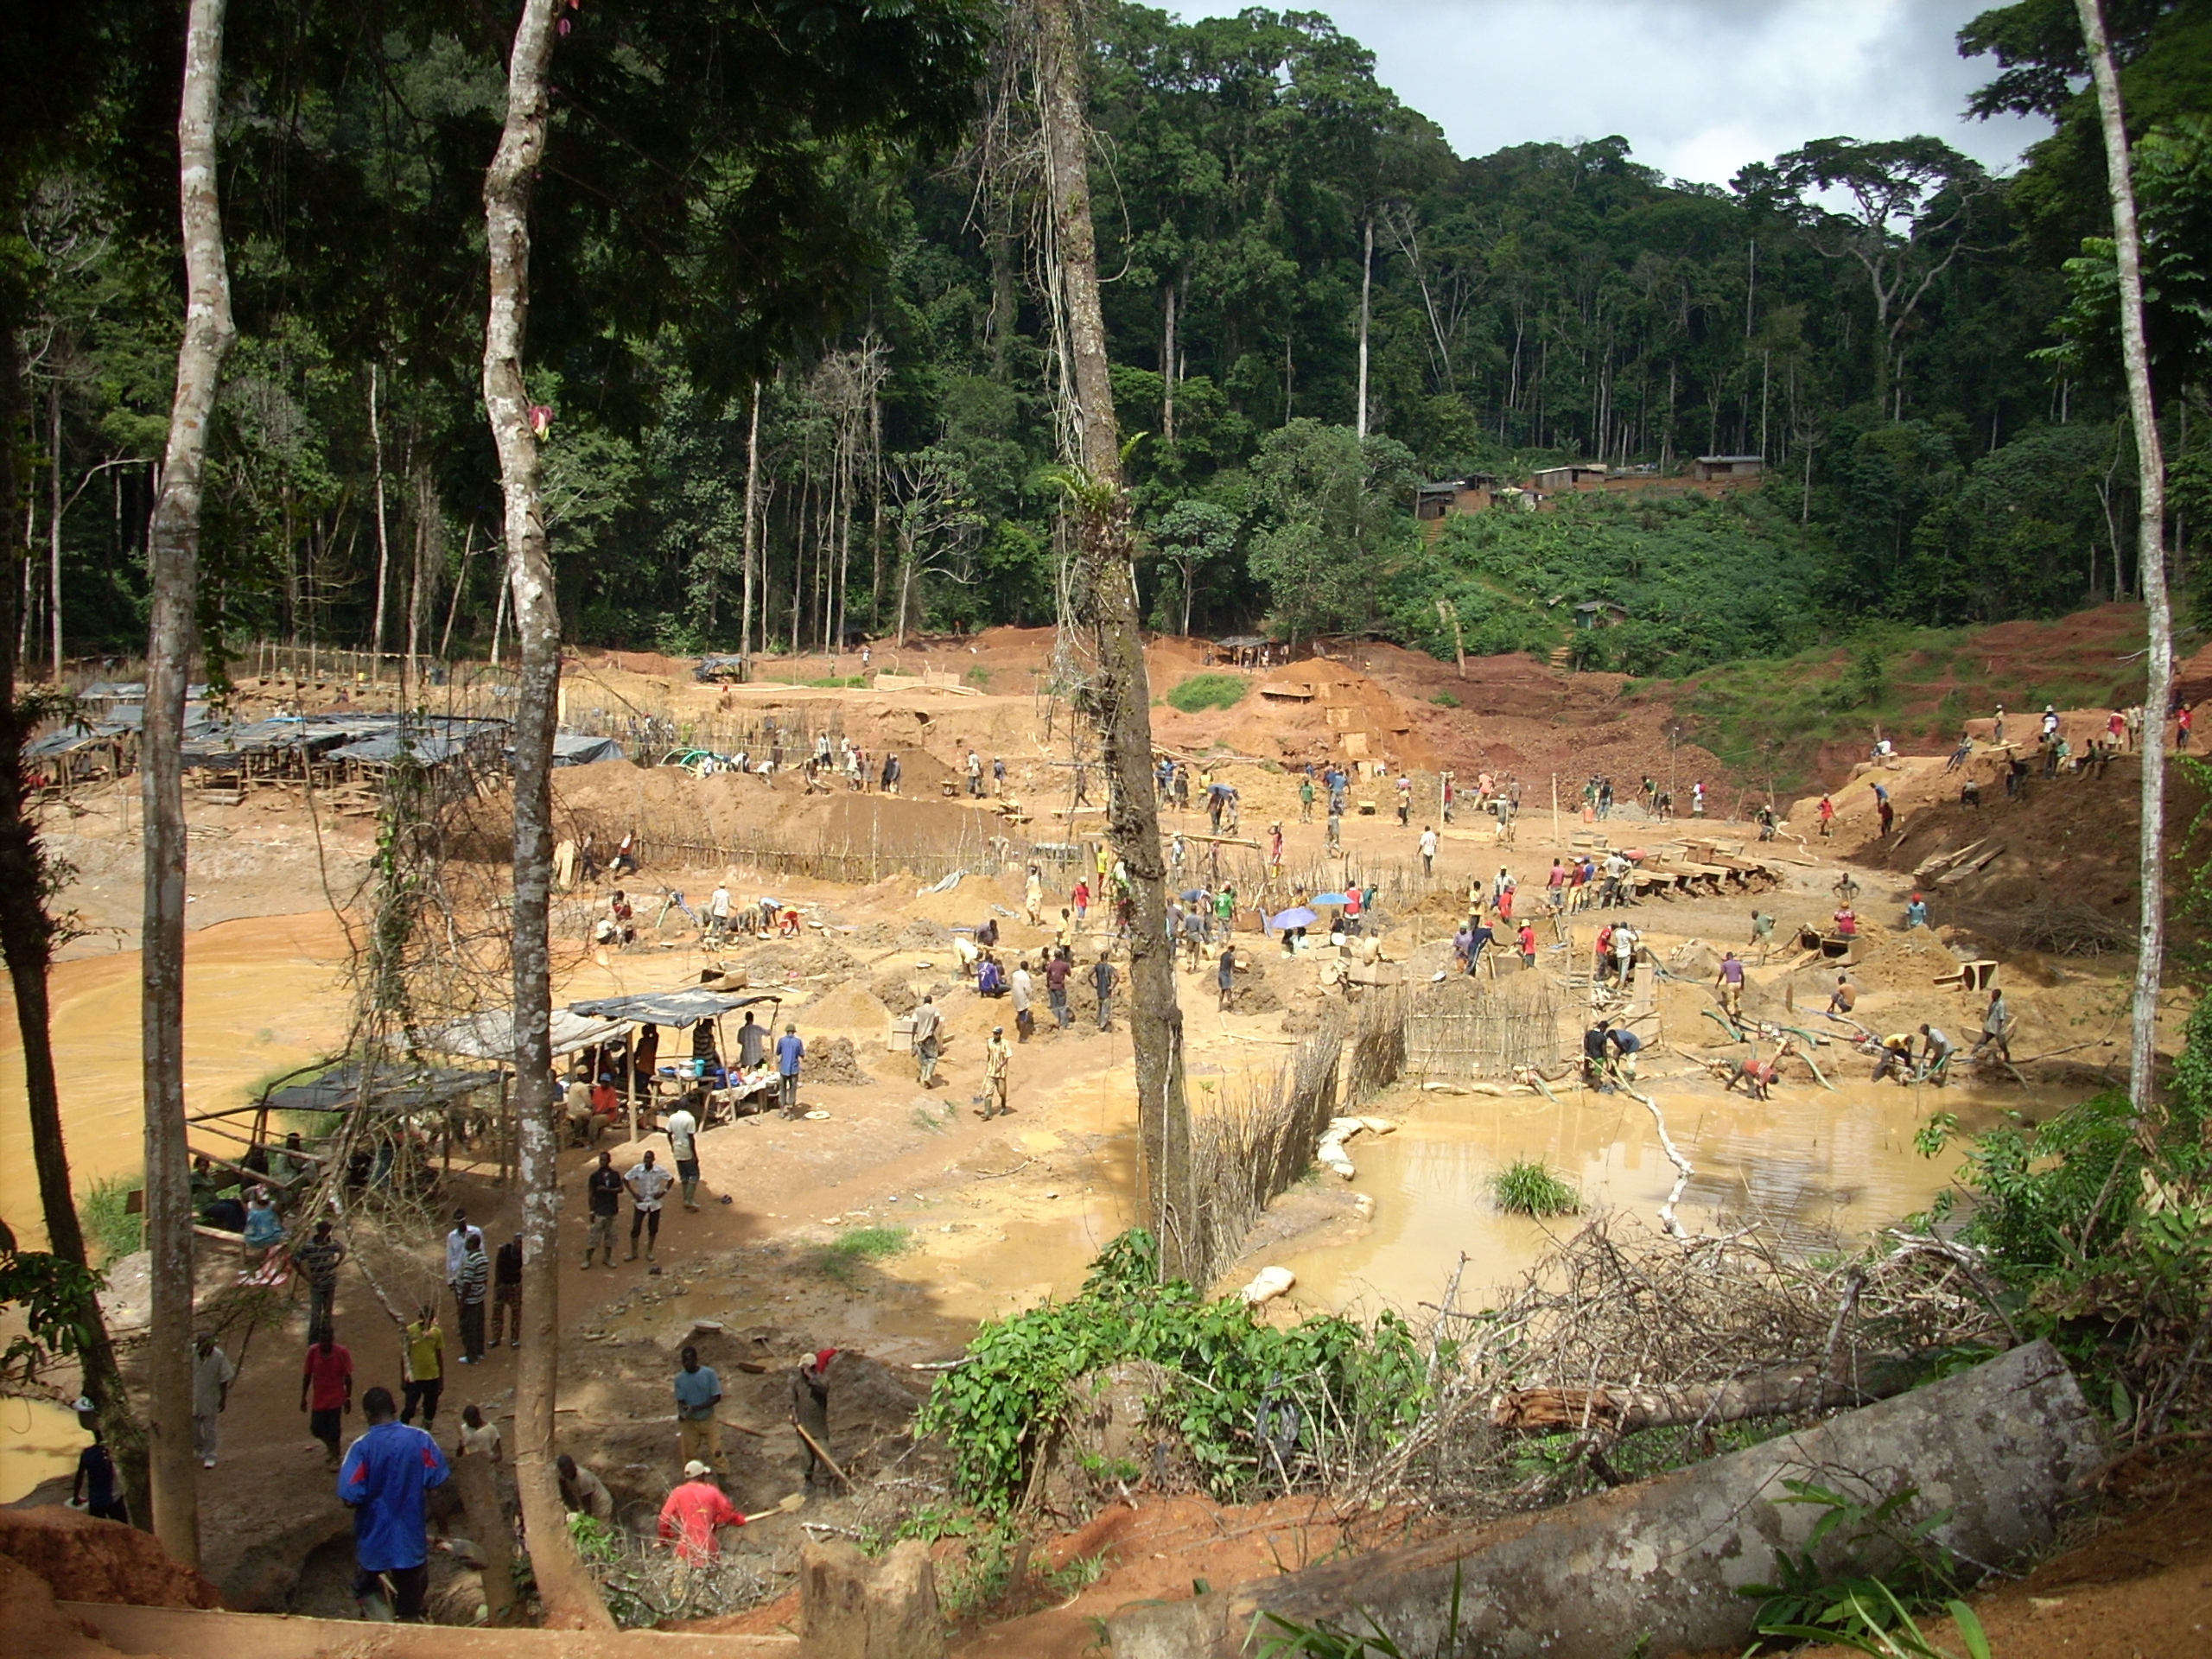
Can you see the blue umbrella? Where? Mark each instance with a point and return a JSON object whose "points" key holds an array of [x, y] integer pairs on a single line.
{"points": [[1300, 917], [1331, 898]]}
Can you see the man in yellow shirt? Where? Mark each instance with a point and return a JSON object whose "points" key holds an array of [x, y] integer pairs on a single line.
{"points": [[423, 1366]]}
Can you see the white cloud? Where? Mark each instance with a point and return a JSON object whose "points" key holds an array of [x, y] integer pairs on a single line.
{"points": [[1698, 87]]}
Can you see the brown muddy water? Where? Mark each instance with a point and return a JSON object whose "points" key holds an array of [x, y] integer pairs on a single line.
{"points": [[1820, 1167]]}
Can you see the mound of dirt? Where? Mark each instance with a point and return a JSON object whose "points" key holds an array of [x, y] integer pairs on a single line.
{"points": [[895, 993], [85, 1559], [780, 959], [921, 934], [835, 1063], [846, 1007]]}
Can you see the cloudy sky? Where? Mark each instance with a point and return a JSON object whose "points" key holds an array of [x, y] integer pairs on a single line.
{"points": [[1698, 88]]}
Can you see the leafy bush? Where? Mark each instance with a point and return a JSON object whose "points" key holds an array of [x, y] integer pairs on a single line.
{"points": [[1528, 1187], [1445, 700], [1203, 691], [1891, 1566], [110, 1229], [1230, 1375], [979, 676]]}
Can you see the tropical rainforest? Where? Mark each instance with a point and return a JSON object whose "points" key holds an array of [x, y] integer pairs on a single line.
{"points": [[764, 414]]}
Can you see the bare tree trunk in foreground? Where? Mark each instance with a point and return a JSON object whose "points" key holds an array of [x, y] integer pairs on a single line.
{"points": [[172, 641], [27, 939], [565, 1589], [2151, 567], [1119, 698]]}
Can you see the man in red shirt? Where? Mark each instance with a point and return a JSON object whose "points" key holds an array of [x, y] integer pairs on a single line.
{"points": [[326, 1391], [693, 1511]]}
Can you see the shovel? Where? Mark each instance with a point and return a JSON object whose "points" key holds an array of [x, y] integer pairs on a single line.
{"points": [[784, 1506]]}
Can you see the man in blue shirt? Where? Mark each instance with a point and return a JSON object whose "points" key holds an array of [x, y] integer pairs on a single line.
{"points": [[382, 1480], [789, 1051], [698, 1391]]}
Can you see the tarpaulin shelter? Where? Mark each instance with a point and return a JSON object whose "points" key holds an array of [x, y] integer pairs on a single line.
{"points": [[575, 749]]}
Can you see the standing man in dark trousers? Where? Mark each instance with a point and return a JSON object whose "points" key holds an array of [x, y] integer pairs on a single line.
{"points": [[810, 1408], [604, 1191], [318, 1261], [1103, 978], [475, 1280], [648, 1182], [387, 1471], [326, 1391], [423, 1366], [506, 1291], [789, 1053]]}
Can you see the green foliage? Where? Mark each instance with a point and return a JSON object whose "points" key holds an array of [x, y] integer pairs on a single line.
{"points": [[1229, 1375], [1890, 1565], [844, 1255], [55, 1304], [978, 676], [1333, 516], [1445, 700], [1526, 1187], [1877, 1623], [109, 1226], [1702, 582], [1203, 691]]}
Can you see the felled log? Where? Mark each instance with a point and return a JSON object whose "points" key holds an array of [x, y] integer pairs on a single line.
{"points": [[1779, 1393]]}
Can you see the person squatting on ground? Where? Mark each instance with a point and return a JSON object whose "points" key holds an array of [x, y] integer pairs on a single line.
{"points": [[811, 1410], [385, 1475], [421, 1366], [506, 1292], [213, 1373], [648, 1182], [698, 1392], [326, 1392], [582, 1492], [603, 1194]]}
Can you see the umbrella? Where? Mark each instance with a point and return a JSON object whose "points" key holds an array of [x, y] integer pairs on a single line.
{"points": [[1331, 898], [1194, 892], [1300, 917]]}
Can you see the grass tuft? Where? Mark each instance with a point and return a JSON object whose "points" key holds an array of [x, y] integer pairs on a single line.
{"points": [[841, 1256], [1528, 1187], [1203, 691], [110, 1229]]}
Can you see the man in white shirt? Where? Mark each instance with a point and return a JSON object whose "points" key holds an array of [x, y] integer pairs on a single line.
{"points": [[1024, 992], [718, 911], [212, 1376], [1428, 850], [457, 1251], [648, 1182], [682, 1146]]}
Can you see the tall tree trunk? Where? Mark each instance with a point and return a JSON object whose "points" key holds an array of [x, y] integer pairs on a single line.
{"points": [[384, 544], [27, 943], [2151, 566], [1118, 698], [172, 642], [752, 505], [54, 510], [1366, 313], [565, 1589], [1167, 370]]}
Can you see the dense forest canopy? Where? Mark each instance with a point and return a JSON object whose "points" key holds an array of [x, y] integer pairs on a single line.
{"points": [[1922, 351]]}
